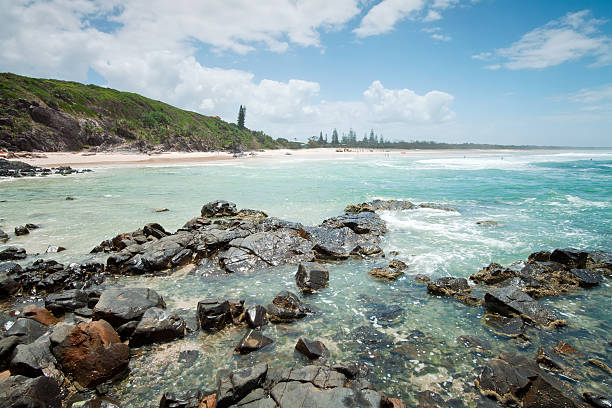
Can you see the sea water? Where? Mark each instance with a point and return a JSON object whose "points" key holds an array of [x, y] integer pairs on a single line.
{"points": [[539, 200]]}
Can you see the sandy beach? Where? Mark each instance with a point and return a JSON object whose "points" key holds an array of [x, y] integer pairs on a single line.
{"points": [[115, 159]]}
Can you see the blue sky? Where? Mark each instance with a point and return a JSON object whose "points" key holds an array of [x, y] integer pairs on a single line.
{"points": [[493, 71]]}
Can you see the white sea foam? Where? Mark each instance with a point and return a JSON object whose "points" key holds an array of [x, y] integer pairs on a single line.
{"points": [[580, 202]]}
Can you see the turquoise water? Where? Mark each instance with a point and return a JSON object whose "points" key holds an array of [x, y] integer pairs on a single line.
{"points": [[541, 200]]}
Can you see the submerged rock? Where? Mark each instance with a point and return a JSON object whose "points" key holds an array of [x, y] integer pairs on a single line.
{"points": [[311, 277], [184, 399], [157, 326], [454, 287], [253, 340], [121, 305], [313, 350], [286, 307]]}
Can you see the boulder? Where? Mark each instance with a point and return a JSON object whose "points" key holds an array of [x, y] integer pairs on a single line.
{"points": [[587, 278], [544, 392], [219, 208], [154, 230], [39, 314], [313, 350], [311, 277], [454, 287], [233, 386], [298, 394], [91, 352], [7, 347], [255, 316], [21, 230], [8, 286], [385, 274], [340, 243], [360, 223], [214, 314], [493, 274], [3, 236], [184, 399], [67, 301], [595, 400], [35, 359], [23, 392], [511, 301], [253, 340], [540, 256], [157, 326], [53, 249], [27, 330], [570, 257], [380, 205], [512, 327], [600, 260], [286, 307], [121, 305], [10, 268], [12, 254]]}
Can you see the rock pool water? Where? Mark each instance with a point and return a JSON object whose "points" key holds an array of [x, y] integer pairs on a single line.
{"points": [[540, 200]]}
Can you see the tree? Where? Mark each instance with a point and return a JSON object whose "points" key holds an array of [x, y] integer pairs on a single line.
{"points": [[241, 116], [321, 141], [335, 140]]}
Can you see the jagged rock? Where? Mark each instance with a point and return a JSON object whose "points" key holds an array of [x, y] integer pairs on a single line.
{"points": [[184, 399], [385, 274], [253, 340], [91, 352], [311, 277], [313, 350], [487, 223], [595, 400], [256, 316], [35, 359], [360, 223], [52, 249], [219, 208], [22, 392], [157, 326], [40, 315], [599, 260], [214, 314], [565, 348], [422, 279], [570, 257], [341, 243], [154, 230], [501, 380], [12, 254], [27, 330], [7, 347], [286, 307], [121, 305], [494, 273], [3, 236], [67, 301], [376, 205], [505, 326], [474, 342], [587, 278], [235, 385], [541, 256], [21, 230], [10, 268], [511, 301], [455, 287], [8, 286], [544, 393]]}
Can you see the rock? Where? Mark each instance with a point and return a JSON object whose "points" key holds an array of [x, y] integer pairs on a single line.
{"points": [[570, 257], [421, 279], [587, 278], [7, 347], [22, 392], [52, 249], [67, 301], [511, 301], [40, 315], [219, 208], [341, 243], [311, 277], [298, 394], [352, 369], [565, 348], [214, 314], [544, 393], [188, 356], [376, 205], [600, 364], [256, 316], [184, 399], [3, 236], [474, 342], [35, 359], [361, 223], [158, 210], [91, 352], [157, 326], [286, 307], [599, 260], [398, 265], [70, 198], [494, 273], [370, 338], [541, 256], [121, 305], [235, 385], [253, 340], [126, 330], [595, 400], [21, 230], [10, 268], [455, 287], [31, 226], [505, 326], [500, 380], [385, 274], [154, 230], [27, 330], [313, 350], [12, 254], [8, 286], [487, 223]]}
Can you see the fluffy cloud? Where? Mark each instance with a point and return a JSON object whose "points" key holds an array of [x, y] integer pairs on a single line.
{"points": [[570, 38], [382, 17]]}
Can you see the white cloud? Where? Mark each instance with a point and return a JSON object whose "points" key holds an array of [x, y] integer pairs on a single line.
{"points": [[483, 56], [589, 95], [441, 37], [432, 15], [570, 38], [382, 17]]}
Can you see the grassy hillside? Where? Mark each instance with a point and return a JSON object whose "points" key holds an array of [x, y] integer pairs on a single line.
{"points": [[70, 114]]}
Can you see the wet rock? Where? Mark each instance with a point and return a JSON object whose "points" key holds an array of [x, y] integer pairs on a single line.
{"points": [[126, 330], [158, 210], [511, 301], [422, 279], [154, 230], [376, 205], [3, 236], [385, 274], [391, 403], [121, 305], [214, 314], [595, 400], [487, 223], [541, 256], [599, 260], [474, 342], [253, 340], [21, 230], [157, 326], [67, 301], [505, 326], [454, 287], [53, 249], [502, 381], [544, 393], [188, 356], [341, 243], [600, 364], [31, 226], [235, 385], [570, 257], [298, 394], [493, 274], [35, 359], [10, 268], [398, 265], [184, 399], [370, 337], [351, 369], [39, 314], [12, 254], [286, 307], [27, 330], [587, 278], [360, 223], [256, 316], [8, 286], [311, 277], [7, 347], [22, 392], [565, 348], [219, 208], [313, 350], [91, 352]]}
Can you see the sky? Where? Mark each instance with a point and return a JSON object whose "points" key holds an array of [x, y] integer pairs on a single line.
{"points": [[482, 71]]}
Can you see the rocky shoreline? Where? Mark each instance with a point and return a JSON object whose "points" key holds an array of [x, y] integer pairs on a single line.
{"points": [[16, 169], [76, 333]]}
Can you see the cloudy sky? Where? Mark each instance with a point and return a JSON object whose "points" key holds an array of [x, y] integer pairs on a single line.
{"points": [[497, 71]]}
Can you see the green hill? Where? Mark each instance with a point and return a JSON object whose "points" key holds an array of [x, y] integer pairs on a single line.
{"points": [[53, 115]]}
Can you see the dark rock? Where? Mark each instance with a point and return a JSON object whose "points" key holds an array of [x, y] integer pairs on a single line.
{"points": [[500, 380], [3, 236], [474, 342], [286, 307], [376, 205], [67, 301], [22, 392], [21, 230], [298, 394], [158, 210], [595, 400], [256, 316], [40, 315], [31, 226], [188, 356], [155, 230], [505, 326], [184, 399], [360, 223], [219, 208], [10, 268], [235, 385], [35, 359], [487, 223], [511, 301], [599, 260], [8, 286], [570, 257], [398, 265], [311, 277], [126, 330], [544, 393], [91, 352], [253, 340], [214, 314], [541, 256], [52, 249], [422, 279], [313, 350], [12, 254], [98, 402], [454, 287], [352, 369], [370, 337], [587, 278], [385, 274], [494, 273], [157, 326], [341, 243], [27, 329], [7, 347], [121, 305]]}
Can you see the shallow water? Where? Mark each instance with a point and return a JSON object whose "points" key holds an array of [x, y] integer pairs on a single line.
{"points": [[540, 200]]}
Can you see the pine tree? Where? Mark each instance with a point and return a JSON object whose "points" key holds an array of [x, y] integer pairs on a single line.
{"points": [[335, 140], [241, 116], [321, 141]]}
